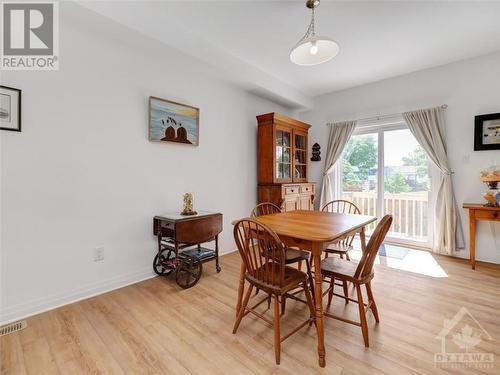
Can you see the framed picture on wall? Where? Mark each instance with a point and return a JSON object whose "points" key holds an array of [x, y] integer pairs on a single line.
{"points": [[173, 122], [10, 109], [487, 132]]}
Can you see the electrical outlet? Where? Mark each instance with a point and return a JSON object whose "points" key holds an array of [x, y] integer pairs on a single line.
{"points": [[98, 254]]}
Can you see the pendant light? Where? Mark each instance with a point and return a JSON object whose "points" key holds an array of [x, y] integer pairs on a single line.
{"points": [[313, 49]]}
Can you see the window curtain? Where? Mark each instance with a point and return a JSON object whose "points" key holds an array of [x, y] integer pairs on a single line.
{"points": [[340, 133], [427, 125]]}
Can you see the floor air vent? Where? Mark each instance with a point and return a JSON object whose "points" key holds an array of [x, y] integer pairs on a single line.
{"points": [[13, 327]]}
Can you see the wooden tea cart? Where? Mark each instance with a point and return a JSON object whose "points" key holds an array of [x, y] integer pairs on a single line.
{"points": [[179, 245]]}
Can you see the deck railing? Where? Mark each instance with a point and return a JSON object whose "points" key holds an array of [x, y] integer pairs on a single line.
{"points": [[410, 211]]}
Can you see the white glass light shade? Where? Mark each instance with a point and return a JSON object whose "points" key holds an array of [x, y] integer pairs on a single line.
{"points": [[314, 50]]}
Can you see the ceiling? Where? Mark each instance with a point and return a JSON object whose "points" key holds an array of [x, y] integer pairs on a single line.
{"points": [[251, 40]]}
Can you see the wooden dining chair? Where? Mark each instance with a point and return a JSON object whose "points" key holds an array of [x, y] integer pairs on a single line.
{"points": [[359, 273], [345, 207], [291, 255], [343, 246], [263, 254]]}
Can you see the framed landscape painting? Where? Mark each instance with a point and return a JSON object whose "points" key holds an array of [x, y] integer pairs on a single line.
{"points": [[173, 122], [10, 109], [487, 132]]}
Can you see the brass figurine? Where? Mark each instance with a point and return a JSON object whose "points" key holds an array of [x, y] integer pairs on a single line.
{"points": [[188, 205]]}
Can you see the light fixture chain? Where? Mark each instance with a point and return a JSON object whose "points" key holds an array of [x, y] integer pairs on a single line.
{"points": [[310, 30], [312, 22]]}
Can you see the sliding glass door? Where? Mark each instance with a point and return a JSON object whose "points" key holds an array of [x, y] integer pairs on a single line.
{"points": [[385, 171], [406, 186], [360, 173]]}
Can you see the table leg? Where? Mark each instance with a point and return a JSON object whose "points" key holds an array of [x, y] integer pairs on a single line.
{"points": [[217, 267], [159, 243], [318, 290], [241, 287], [472, 235], [362, 238]]}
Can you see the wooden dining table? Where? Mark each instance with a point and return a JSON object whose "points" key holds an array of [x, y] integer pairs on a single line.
{"points": [[312, 231]]}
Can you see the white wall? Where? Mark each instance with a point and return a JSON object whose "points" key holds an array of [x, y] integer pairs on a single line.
{"points": [[83, 174], [469, 88]]}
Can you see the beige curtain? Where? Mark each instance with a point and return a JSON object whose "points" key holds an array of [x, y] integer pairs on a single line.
{"points": [[340, 133], [427, 125]]}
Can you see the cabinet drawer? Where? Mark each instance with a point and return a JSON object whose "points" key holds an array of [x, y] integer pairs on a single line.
{"points": [[487, 215], [167, 225], [291, 190], [306, 189]]}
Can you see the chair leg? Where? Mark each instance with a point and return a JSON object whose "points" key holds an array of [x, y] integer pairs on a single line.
{"points": [[277, 336], [341, 256], [310, 279], [268, 301], [257, 291], [242, 309], [330, 292], [300, 265], [309, 300], [371, 300], [347, 255], [283, 304], [346, 291], [362, 316]]}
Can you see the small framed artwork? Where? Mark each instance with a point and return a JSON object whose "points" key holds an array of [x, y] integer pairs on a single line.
{"points": [[173, 122], [10, 109], [487, 132]]}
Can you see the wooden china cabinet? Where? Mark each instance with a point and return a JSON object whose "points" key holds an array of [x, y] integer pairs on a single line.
{"points": [[282, 163]]}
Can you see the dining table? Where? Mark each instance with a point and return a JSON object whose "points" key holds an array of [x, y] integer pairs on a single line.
{"points": [[312, 231]]}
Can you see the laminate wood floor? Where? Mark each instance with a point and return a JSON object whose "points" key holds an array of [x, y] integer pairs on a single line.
{"points": [[154, 327]]}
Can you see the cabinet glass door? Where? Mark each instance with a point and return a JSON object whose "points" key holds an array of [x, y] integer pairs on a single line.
{"points": [[283, 157], [300, 161]]}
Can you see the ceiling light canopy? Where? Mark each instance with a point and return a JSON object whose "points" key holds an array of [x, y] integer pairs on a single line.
{"points": [[313, 49]]}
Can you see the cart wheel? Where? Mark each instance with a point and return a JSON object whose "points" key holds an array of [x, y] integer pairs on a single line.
{"points": [[188, 272], [159, 264], [218, 269]]}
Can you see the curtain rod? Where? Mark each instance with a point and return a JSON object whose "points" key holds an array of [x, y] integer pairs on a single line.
{"points": [[377, 118]]}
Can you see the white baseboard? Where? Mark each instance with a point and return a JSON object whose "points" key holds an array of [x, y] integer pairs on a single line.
{"points": [[228, 252], [27, 309]]}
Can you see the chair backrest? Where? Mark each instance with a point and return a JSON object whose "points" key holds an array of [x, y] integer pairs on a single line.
{"points": [[343, 207], [261, 250], [266, 208], [365, 265]]}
